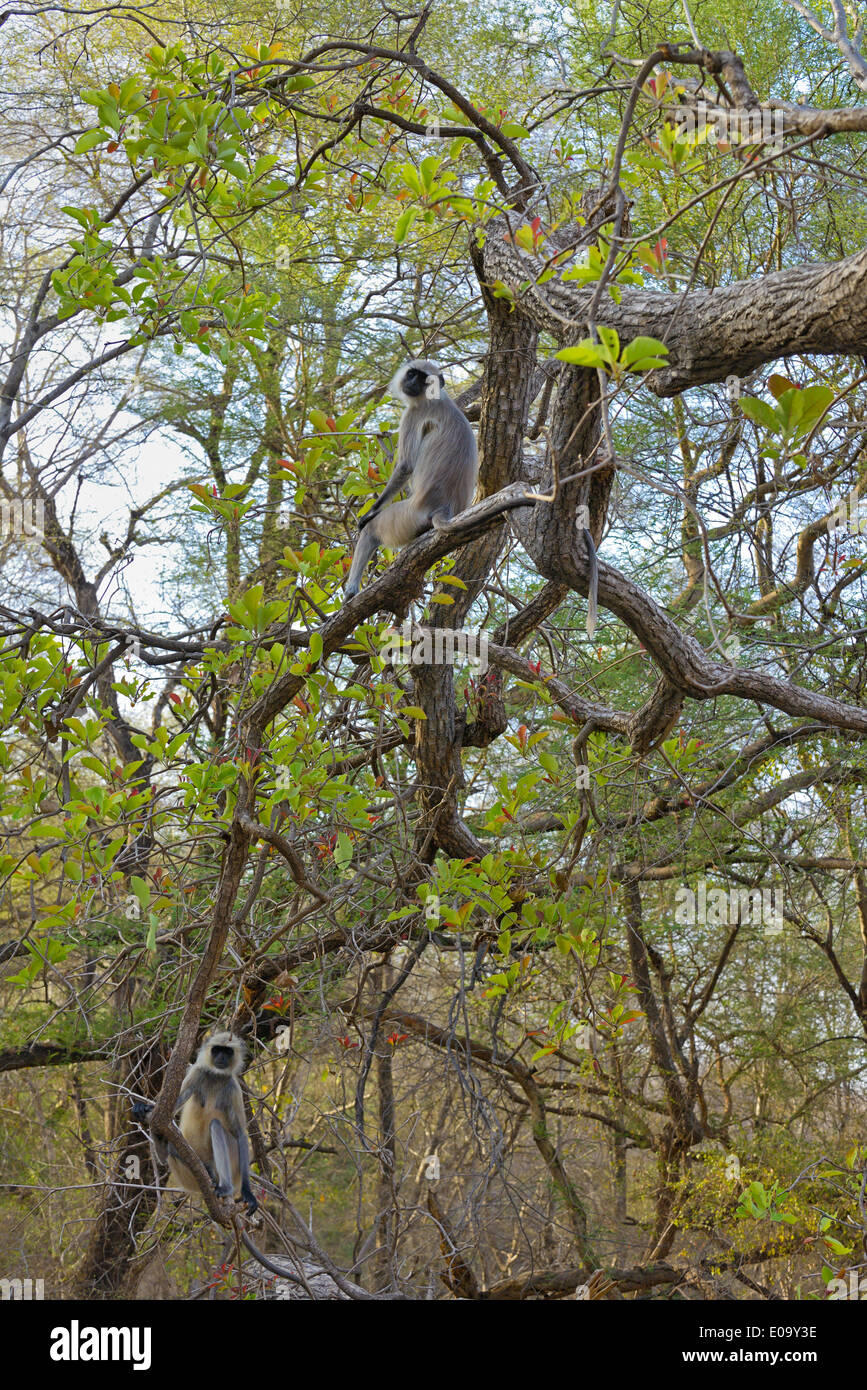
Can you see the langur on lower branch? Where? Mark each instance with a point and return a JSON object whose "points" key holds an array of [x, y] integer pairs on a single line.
{"points": [[436, 453], [212, 1120]]}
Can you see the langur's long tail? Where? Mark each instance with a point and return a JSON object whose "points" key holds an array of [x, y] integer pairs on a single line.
{"points": [[593, 584]]}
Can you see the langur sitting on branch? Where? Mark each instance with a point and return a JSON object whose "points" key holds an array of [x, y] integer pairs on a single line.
{"points": [[436, 454]]}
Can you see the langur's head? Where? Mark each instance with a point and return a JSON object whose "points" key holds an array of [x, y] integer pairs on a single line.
{"points": [[222, 1053], [417, 380]]}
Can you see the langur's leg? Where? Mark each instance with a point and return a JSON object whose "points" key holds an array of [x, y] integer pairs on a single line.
{"points": [[441, 518], [244, 1166], [399, 523], [222, 1159], [180, 1175], [365, 548]]}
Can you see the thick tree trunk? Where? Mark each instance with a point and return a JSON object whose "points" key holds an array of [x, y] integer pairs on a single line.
{"points": [[710, 334], [128, 1197]]}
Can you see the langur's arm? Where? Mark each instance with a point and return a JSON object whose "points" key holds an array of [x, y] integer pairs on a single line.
{"points": [[225, 1186], [182, 1099], [141, 1109], [222, 1159], [239, 1129]]}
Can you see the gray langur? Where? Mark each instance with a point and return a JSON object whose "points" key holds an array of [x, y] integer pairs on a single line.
{"points": [[436, 449], [592, 584], [211, 1106]]}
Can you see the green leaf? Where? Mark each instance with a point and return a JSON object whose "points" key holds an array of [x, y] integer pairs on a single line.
{"points": [[836, 1247], [343, 850], [584, 354], [642, 347], [263, 164], [610, 340], [141, 889], [410, 176], [761, 413], [815, 401], [648, 364], [404, 222], [90, 138], [429, 169], [790, 408]]}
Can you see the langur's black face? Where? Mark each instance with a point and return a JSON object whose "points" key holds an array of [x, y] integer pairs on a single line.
{"points": [[414, 382], [222, 1058]]}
